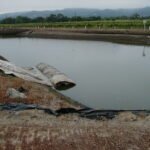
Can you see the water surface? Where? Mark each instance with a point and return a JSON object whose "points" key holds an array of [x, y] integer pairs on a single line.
{"points": [[108, 75]]}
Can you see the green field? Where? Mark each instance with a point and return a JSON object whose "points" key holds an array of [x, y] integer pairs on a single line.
{"points": [[117, 24]]}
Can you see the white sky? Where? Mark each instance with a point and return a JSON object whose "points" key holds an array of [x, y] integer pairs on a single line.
{"points": [[25, 5]]}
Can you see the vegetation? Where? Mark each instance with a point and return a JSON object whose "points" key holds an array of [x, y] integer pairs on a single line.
{"points": [[60, 21]]}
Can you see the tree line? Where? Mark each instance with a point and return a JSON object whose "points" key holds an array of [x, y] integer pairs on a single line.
{"points": [[62, 18]]}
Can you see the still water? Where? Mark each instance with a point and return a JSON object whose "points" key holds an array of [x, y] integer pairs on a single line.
{"points": [[108, 75]]}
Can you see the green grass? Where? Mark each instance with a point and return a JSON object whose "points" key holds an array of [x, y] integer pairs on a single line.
{"points": [[117, 24]]}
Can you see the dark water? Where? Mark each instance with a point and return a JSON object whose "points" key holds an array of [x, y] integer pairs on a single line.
{"points": [[108, 75]]}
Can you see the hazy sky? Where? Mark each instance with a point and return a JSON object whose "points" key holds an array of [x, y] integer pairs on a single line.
{"points": [[23, 5]]}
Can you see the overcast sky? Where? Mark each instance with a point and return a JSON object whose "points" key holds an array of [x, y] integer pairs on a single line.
{"points": [[25, 5]]}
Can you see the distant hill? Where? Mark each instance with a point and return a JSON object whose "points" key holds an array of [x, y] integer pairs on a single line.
{"points": [[81, 12]]}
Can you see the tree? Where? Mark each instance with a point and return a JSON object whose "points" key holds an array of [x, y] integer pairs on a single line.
{"points": [[135, 16], [38, 20], [21, 19], [52, 18], [8, 20]]}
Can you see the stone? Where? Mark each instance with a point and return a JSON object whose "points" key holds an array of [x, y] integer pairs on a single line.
{"points": [[14, 94]]}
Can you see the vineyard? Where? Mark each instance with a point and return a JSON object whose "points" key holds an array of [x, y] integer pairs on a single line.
{"points": [[116, 24]]}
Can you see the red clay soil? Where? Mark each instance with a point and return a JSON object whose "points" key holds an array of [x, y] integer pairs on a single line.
{"points": [[36, 130]]}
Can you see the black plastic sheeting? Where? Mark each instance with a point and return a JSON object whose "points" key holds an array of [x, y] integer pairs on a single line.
{"points": [[3, 58], [86, 112], [21, 106]]}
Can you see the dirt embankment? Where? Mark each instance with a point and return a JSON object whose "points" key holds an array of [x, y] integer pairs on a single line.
{"points": [[122, 36], [35, 93], [36, 130], [113, 35], [11, 31]]}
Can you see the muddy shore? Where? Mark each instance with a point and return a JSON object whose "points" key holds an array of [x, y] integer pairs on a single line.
{"points": [[119, 36], [36, 130]]}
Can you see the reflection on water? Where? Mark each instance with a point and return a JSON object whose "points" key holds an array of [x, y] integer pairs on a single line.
{"points": [[144, 53], [108, 75]]}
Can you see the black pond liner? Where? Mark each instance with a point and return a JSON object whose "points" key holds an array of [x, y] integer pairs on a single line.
{"points": [[64, 85], [86, 112]]}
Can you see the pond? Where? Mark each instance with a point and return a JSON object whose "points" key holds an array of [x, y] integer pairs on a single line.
{"points": [[108, 75]]}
